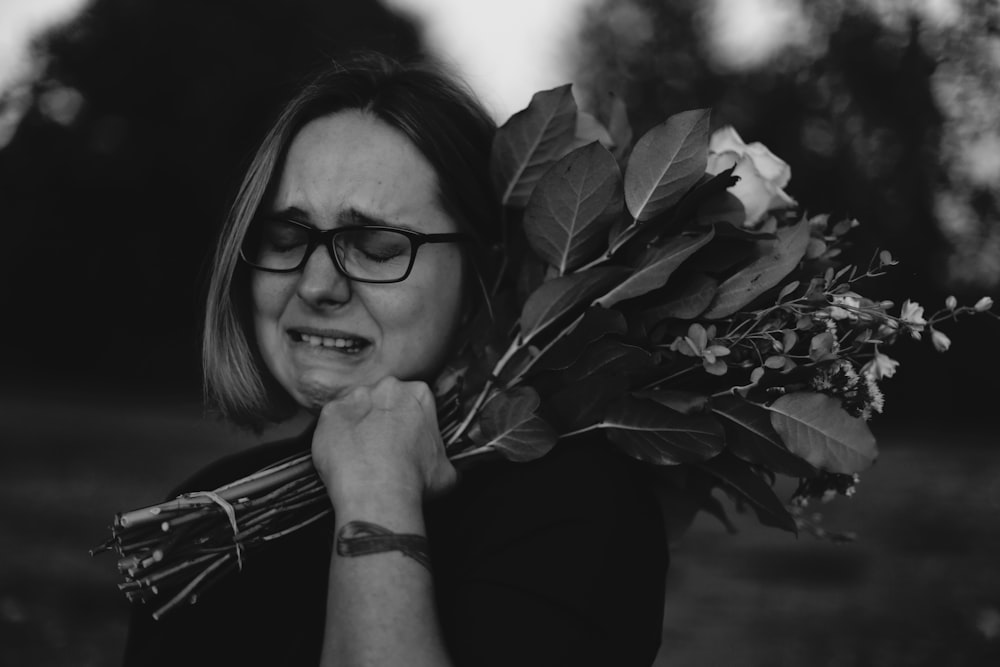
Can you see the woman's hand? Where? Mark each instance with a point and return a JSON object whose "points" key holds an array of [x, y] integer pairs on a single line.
{"points": [[382, 440]]}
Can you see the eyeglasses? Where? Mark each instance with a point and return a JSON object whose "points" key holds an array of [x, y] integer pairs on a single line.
{"points": [[364, 253]]}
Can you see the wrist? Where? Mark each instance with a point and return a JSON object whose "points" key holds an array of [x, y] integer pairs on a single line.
{"points": [[396, 507]]}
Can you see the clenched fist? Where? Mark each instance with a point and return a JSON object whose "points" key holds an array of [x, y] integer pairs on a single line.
{"points": [[381, 440]]}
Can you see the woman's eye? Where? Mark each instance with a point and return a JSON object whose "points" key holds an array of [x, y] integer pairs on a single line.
{"points": [[283, 236], [381, 247]]}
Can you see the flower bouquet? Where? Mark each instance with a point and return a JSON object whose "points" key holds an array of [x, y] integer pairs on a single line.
{"points": [[667, 293]]}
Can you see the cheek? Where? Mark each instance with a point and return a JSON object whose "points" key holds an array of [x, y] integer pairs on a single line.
{"points": [[267, 300], [418, 324]]}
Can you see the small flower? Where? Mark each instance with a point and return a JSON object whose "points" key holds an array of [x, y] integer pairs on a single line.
{"points": [[876, 400], [881, 366], [913, 314], [951, 303], [696, 344], [845, 307], [940, 340], [983, 304]]}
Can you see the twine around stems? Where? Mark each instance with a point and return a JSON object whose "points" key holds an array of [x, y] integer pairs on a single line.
{"points": [[230, 513]]}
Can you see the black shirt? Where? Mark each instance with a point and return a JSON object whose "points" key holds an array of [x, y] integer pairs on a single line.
{"points": [[561, 561]]}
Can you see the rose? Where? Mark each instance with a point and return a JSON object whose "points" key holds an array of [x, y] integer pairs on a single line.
{"points": [[762, 174]]}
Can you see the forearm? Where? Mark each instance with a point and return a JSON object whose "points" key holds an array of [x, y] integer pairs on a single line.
{"points": [[380, 602]]}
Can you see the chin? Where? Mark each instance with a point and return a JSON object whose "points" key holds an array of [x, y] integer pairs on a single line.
{"points": [[313, 390]]}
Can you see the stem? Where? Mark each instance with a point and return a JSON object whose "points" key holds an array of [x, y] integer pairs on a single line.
{"points": [[514, 348], [597, 262], [187, 590], [654, 383], [625, 237], [478, 451], [548, 347], [592, 427]]}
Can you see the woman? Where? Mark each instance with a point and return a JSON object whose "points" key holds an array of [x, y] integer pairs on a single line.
{"points": [[341, 284]]}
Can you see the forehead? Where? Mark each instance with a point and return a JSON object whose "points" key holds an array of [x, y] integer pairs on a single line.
{"points": [[351, 160]]}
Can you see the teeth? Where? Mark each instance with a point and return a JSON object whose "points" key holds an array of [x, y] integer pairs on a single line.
{"points": [[323, 341]]}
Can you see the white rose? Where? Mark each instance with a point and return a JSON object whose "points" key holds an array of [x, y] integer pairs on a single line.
{"points": [[762, 174]]}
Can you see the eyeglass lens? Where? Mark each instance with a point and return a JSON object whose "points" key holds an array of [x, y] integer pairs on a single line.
{"points": [[365, 254]]}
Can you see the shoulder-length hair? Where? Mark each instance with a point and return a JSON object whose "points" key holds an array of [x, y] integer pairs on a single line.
{"points": [[446, 123]]}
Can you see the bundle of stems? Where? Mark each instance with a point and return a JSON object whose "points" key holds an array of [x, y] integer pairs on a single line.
{"points": [[175, 550]]}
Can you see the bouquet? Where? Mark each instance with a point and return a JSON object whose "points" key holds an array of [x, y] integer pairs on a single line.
{"points": [[667, 293]]}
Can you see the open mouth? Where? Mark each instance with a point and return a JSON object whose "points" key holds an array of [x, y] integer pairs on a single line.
{"points": [[344, 344]]}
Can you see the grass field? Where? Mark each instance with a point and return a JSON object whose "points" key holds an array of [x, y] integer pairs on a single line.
{"points": [[920, 587]]}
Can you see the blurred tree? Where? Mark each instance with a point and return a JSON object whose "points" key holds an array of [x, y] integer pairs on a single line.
{"points": [[858, 96], [135, 130]]}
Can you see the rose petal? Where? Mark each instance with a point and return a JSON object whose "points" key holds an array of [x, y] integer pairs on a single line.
{"points": [[771, 167], [719, 162], [726, 139], [752, 190]]}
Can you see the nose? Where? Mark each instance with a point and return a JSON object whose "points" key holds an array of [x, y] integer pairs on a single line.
{"points": [[321, 284]]}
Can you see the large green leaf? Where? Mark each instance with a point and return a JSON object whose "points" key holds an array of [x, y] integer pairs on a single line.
{"points": [[509, 424], [686, 402], [751, 437], [530, 142], [596, 323], [580, 404], [655, 268], [739, 478], [666, 162], [572, 206], [557, 297], [610, 357], [684, 298], [654, 433], [775, 260], [815, 427]]}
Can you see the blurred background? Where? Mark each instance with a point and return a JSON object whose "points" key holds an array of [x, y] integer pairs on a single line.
{"points": [[124, 129]]}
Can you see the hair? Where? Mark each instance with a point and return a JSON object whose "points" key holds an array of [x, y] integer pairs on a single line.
{"points": [[436, 112]]}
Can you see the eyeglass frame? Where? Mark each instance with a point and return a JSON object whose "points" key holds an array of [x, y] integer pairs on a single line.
{"points": [[325, 238]]}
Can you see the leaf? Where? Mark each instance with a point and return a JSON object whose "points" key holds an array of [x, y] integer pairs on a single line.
{"points": [[508, 423], [656, 268], [738, 477], [816, 428], [557, 297], [685, 402], [609, 357], [723, 209], [596, 323], [751, 437], [665, 163], [530, 141], [581, 404], [710, 188], [657, 434], [572, 207], [777, 259], [684, 299]]}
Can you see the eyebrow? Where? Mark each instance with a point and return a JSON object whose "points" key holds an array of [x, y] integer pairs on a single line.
{"points": [[349, 217]]}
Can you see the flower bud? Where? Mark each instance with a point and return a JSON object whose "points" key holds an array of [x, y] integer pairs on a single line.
{"points": [[940, 340], [951, 303], [983, 304]]}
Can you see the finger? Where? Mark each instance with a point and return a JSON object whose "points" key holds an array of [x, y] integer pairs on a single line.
{"points": [[353, 405]]}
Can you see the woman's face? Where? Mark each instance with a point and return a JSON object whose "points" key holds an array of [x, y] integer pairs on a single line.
{"points": [[320, 333]]}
